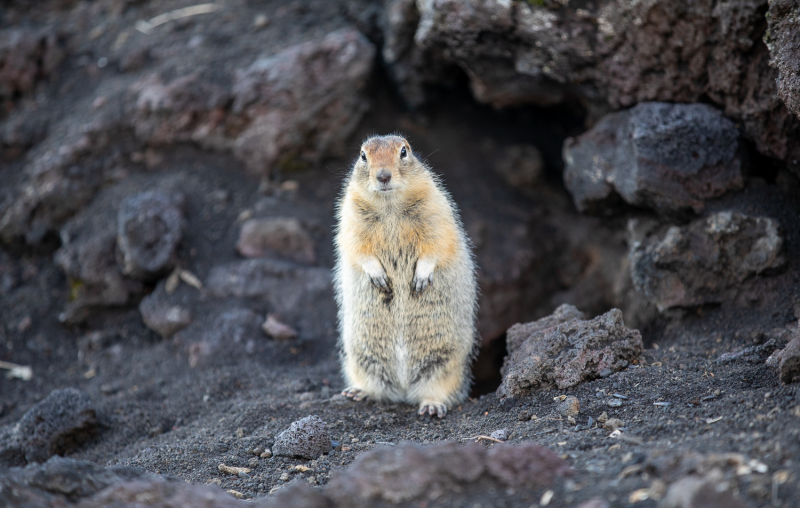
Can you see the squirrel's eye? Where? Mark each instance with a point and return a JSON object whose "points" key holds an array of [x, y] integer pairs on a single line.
{"points": [[403, 153], [363, 156]]}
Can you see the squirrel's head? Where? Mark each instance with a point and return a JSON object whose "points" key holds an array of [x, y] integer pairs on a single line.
{"points": [[386, 165]]}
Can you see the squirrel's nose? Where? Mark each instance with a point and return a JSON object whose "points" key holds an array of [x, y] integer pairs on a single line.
{"points": [[384, 176]]}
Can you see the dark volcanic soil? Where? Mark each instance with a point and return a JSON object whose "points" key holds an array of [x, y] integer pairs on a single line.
{"points": [[210, 395]]}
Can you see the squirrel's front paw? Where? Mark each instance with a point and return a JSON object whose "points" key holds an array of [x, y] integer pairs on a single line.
{"points": [[423, 277], [377, 275]]}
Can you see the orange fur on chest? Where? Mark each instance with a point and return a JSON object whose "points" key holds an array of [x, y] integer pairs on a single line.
{"points": [[429, 231]]}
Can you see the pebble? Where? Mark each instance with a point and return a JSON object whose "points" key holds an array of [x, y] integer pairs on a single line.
{"points": [[570, 407], [603, 418], [233, 470], [613, 424], [257, 450], [614, 403], [284, 477], [524, 416], [500, 435], [266, 454], [253, 462]]}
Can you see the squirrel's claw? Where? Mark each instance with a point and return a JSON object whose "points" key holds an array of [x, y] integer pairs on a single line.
{"points": [[420, 284], [380, 282], [433, 408]]}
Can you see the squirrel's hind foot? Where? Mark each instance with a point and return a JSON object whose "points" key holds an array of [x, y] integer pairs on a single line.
{"points": [[354, 393], [433, 408]]}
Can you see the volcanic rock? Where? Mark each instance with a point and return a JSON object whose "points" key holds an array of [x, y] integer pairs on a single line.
{"points": [[62, 421], [573, 351], [701, 262], [149, 228], [669, 157], [284, 237], [306, 438]]}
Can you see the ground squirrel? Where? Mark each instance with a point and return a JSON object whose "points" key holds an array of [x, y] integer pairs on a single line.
{"points": [[405, 283]]}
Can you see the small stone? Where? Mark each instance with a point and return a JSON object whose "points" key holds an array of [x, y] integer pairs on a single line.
{"points": [[278, 330], [500, 435], [149, 228], [257, 450], [161, 317], [788, 360], [284, 477], [614, 402], [283, 237], [306, 438], [233, 470], [267, 454], [253, 463], [240, 432], [260, 21], [570, 407], [524, 416], [613, 424], [603, 418]]}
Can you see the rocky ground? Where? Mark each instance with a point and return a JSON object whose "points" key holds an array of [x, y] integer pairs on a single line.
{"points": [[168, 177]]}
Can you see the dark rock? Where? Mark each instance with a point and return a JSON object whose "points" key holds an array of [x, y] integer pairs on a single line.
{"points": [[16, 494], [296, 495], [669, 157], [519, 333], [306, 438], [162, 317], [64, 420], [783, 39], [609, 52], [284, 237], [300, 295], [521, 166], [161, 494], [571, 352], [189, 108], [228, 334], [409, 471], [149, 228], [302, 103], [26, 57], [64, 171], [278, 330], [74, 479], [700, 263], [90, 264], [708, 491], [788, 360], [776, 339], [528, 466]]}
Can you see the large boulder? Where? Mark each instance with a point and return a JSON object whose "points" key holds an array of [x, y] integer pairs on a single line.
{"points": [[668, 157], [612, 52], [564, 350], [702, 262]]}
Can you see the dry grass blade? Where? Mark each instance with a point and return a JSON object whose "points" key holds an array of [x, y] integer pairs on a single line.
{"points": [[147, 26]]}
